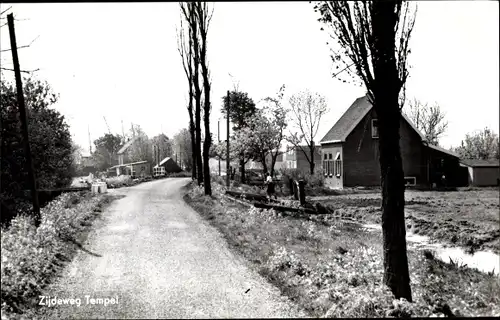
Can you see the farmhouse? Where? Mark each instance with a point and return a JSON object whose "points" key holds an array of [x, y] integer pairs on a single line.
{"points": [[482, 173], [122, 154], [350, 152]]}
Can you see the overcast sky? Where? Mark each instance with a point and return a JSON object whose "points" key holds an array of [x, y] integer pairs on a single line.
{"points": [[120, 61]]}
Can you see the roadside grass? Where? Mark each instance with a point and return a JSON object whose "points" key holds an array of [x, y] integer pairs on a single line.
{"points": [[334, 269], [32, 257], [468, 219]]}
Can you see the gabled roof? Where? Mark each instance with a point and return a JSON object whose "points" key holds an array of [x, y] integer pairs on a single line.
{"points": [[164, 161], [348, 121], [127, 145], [352, 117], [481, 163], [451, 153]]}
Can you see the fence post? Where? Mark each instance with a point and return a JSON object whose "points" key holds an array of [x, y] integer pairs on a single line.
{"points": [[302, 194]]}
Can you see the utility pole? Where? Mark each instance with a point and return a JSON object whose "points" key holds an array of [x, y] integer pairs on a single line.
{"points": [[90, 141], [24, 119], [227, 136], [218, 137], [123, 133]]}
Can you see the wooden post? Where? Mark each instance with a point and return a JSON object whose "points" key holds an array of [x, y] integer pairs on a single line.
{"points": [[24, 119], [302, 194], [228, 183]]}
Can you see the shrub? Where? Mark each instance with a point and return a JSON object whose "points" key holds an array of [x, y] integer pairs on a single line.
{"points": [[30, 254], [312, 181]]}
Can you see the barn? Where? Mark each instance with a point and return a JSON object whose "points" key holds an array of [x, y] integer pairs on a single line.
{"points": [[170, 165], [482, 173]]}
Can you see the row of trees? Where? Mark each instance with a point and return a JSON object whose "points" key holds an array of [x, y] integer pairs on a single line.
{"points": [[192, 46]]}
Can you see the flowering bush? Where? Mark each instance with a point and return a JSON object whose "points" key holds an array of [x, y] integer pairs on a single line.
{"points": [[30, 255]]}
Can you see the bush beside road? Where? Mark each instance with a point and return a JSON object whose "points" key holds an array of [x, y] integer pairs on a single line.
{"points": [[32, 257]]}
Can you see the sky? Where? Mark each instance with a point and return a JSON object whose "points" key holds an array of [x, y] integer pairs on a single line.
{"points": [[119, 61]]}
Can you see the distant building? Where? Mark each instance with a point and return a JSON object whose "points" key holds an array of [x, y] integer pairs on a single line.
{"points": [[170, 165], [134, 169], [296, 159]]}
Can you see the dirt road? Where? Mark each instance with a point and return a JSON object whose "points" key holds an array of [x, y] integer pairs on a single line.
{"points": [[158, 259]]}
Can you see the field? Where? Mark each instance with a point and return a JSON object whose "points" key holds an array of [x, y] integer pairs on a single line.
{"points": [[334, 269], [467, 218]]}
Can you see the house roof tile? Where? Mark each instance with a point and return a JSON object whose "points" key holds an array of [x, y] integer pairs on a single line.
{"points": [[348, 121]]}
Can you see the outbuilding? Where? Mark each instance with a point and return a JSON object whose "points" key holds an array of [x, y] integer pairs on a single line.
{"points": [[482, 173]]}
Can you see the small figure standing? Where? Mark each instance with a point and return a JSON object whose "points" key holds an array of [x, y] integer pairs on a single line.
{"points": [[270, 186]]}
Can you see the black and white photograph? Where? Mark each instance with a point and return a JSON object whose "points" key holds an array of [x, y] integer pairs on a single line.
{"points": [[254, 159]]}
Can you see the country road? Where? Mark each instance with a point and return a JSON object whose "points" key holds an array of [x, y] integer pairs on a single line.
{"points": [[159, 259]]}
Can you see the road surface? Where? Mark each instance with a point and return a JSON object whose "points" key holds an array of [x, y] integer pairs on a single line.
{"points": [[157, 258]]}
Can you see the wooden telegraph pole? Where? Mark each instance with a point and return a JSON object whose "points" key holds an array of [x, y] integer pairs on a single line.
{"points": [[218, 138], [24, 119], [227, 137]]}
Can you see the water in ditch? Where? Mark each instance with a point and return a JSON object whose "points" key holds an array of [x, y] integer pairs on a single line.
{"points": [[485, 261]]}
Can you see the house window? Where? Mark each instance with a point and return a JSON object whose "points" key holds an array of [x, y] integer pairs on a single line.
{"points": [[325, 172], [410, 181], [325, 157], [338, 165], [374, 128]]}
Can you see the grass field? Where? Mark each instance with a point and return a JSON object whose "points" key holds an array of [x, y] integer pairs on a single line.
{"points": [[467, 218]]}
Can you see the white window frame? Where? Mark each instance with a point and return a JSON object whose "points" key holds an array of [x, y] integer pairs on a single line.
{"points": [[374, 136], [411, 184], [338, 165]]}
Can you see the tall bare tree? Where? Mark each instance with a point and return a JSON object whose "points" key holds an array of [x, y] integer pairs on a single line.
{"points": [[188, 10], [428, 119], [374, 37], [185, 48], [307, 110], [203, 19]]}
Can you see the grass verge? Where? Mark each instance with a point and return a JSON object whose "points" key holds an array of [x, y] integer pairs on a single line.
{"points": [[333, 269], [32, 257]]}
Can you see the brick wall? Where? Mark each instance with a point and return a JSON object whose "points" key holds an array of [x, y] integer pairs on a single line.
{"points": [[361, 154]]}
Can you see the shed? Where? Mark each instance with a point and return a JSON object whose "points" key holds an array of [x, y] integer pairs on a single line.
{"points": [[134, 169], [482, 173], [170, 165]]}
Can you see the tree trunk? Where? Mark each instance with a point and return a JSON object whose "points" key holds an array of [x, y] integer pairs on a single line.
{"points": [[311, 164], [206, 154], [385, 93], [396, 274], [273, 162], [242, 170], [193, 146], [197, 94], [264, 163]]}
